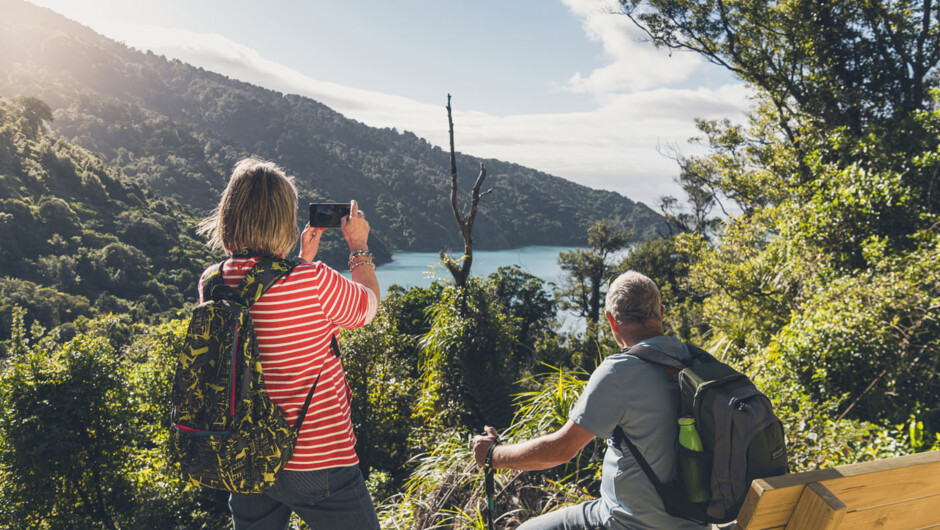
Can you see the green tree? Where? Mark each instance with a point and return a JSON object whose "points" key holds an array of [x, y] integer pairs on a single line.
{"points": [[589, 270], [840, 64], [84, 434], [468, 367], [63, 428], [525, 298], [832, 177], [33, 112]]}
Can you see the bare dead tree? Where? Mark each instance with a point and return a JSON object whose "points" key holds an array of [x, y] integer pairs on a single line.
{"points": [[460, 269]]}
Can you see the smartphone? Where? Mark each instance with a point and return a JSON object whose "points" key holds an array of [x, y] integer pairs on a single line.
{"points": [[327, 214]]}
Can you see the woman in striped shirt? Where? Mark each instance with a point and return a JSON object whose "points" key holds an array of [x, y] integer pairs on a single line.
{"points": [[296, 322]]}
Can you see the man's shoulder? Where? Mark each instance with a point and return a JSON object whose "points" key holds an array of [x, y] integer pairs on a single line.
{"points": [[620, 364]]}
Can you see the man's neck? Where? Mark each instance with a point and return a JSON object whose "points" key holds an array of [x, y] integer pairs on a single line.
{"points": [[630, 338]]}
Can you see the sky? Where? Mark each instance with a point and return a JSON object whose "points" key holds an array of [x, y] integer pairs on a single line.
{"points": [[569, 87]]}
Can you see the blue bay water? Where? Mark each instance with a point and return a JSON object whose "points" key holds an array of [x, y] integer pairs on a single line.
{"points": [[419, 269]]}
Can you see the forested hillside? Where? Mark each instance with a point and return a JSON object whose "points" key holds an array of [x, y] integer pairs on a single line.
{"points": [[79, 238], [179, 129]]}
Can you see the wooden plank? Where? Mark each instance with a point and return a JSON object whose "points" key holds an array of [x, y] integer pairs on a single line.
{"points": [[817, 509], [767, 507], [771, 501], [909, 515]]}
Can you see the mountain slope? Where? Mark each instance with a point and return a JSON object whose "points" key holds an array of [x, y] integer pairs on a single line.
{"points": [[79, 238], [179, 129]]}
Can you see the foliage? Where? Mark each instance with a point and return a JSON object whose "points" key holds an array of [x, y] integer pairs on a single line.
{"points": [[838, 64], [63, 421], [524, 298], [882, 351], [590, 269], [410, 307], [79, 238], [83, 434], [446, 488], [381, 367], [32, 113], [468, 363]]}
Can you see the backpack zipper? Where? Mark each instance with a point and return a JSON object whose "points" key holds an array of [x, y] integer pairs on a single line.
{"points": [[234, 359]]}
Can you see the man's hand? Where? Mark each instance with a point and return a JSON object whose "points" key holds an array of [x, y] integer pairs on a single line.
{"points": [[543, 452], [482, 443]]}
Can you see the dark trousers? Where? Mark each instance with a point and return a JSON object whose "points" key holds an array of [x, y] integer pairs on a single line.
{"points": [[326, 499]]}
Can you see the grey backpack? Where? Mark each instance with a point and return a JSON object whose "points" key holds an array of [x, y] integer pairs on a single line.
{"points": [[743, 439]]}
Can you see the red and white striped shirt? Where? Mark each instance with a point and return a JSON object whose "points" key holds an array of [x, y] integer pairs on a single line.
{"points": [[294, 322]]}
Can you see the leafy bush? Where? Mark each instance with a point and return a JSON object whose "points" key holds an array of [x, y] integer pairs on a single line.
{"points": [[468, 366], [83, 433]]}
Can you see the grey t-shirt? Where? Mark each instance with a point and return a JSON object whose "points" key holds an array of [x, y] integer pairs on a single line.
{"points": [[636, 395]]}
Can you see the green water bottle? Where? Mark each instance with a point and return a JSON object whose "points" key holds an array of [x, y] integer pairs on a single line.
{"points": [[693, 471]]}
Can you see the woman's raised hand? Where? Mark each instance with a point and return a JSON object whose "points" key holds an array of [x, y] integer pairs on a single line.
{"points": [[355, 228], [310, 242]]}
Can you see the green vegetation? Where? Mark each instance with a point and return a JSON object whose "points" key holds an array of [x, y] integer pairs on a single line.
{"points": [[589, 269], [78, 238], [84, 439], [820, 278]]}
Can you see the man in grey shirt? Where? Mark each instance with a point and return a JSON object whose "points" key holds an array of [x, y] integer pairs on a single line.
{"points": [[625, 391]]}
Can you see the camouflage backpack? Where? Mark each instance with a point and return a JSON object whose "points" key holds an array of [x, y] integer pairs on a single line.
{"points": [[228, 433]]}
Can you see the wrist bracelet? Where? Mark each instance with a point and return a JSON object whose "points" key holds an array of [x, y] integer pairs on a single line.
{"points": [[354, 264], [360, 252], [489, 454]]}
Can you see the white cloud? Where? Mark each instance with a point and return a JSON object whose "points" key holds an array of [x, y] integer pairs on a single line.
{"points": [[634, 63], [612, 147]]}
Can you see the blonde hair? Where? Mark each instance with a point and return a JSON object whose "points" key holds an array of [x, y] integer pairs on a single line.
{"points": [[632, 297], [257, 211]]}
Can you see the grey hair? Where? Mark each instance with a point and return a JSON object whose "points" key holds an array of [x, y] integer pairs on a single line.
{"points": [[633, 297]]}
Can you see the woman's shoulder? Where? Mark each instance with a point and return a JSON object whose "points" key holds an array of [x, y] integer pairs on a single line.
{"points": [[311, 270], [308, 267]]}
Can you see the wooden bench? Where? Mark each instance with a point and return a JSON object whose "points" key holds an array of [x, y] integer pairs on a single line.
{"points": [[894, 493]]}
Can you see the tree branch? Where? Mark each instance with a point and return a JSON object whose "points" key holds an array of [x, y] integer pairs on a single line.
{"points": [[464, 221]]}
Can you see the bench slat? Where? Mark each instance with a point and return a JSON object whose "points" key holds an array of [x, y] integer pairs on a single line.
{"points": [[818, 509], [909, 515], [771, 501]]}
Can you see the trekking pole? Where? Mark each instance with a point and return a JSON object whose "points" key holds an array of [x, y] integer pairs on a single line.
{"points": [[489, 485]]}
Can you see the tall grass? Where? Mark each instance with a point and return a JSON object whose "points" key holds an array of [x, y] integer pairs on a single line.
{"points": [[446, 490]]}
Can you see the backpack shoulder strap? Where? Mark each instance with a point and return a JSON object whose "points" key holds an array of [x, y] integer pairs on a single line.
{"points": [[620, 438], [261, 277], [211, 279], [303, 410], [669, 494], [700, 356], [666, 495], [652, 355]]}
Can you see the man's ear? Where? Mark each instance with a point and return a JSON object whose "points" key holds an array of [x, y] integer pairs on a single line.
{"points": [[612, 321]]}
